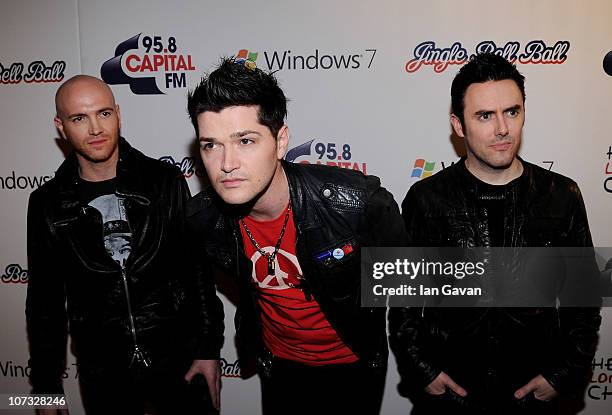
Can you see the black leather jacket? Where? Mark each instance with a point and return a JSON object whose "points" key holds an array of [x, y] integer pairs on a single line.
{"points": [[110, 309], [489, 350], [331, 207]]}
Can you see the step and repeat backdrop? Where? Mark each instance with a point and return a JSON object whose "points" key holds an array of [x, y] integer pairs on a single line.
{"points": [[369, 88]]}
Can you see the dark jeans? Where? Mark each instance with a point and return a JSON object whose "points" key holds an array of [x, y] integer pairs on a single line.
{"points": [[160, 389], [296, 389]]}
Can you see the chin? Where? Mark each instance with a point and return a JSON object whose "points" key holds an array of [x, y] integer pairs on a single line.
{"points": [[234, 198], [97, 157]]}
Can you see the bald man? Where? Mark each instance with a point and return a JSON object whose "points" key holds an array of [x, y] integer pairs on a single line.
{"points": [[108, 258]]}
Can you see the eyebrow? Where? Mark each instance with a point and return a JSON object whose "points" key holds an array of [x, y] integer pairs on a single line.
{"points": [[487, 112], [84, 115], [237, 134]]}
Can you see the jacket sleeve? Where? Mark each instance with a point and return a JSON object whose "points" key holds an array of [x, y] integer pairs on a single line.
{"points": [[406, 331], [209, 316], [45, 304], [409, 337], [579, 325], [385, 222]]}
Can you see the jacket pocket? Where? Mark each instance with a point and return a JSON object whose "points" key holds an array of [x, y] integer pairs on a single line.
{"points": [[339, 270]]}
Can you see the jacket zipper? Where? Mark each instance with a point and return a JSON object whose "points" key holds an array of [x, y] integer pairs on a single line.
{"points": [[138, 355]]}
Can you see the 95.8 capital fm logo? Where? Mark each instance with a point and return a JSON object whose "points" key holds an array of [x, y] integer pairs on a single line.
{"points": [[440, 58], [149, 64], [325, 152]]}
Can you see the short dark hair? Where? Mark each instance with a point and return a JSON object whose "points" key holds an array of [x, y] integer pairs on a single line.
{"points": [[231, 84], [482, 67]]}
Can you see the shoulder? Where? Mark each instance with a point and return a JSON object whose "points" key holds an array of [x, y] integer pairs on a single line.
{"points": [[149, 165], [201, 202], [323, 177], [431, 191], [551, 191], [203, 211], [326, 173], [338, 187], [45, 192], [546, 180], [440, 180]]}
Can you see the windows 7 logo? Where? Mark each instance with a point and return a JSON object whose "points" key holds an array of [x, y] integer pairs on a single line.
{"points": [[246, 58], [422, 168]]}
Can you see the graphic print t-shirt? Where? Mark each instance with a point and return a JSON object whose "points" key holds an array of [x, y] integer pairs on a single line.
{"points": [[294, 328], [116, 229]]}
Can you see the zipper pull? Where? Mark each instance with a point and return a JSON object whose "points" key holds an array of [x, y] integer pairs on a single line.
{"points": [[141, 357]]}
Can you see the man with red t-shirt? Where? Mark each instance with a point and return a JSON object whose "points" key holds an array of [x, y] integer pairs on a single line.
{"points": [[290, 234]]}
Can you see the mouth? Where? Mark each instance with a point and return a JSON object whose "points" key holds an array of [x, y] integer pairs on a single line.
{"points": [[233, 182], [98, 142], [501, 146]]}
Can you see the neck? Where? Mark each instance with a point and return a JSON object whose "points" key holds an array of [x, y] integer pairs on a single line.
{"points": [[274, 199], [98, 171], [493, 176]]}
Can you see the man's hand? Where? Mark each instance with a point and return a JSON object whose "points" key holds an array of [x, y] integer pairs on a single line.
{"points": [[211, 371], [441, 382], [540, 387]]}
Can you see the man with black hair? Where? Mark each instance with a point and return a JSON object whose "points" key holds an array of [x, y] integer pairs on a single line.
{"points": [[493, 360], [290, 235], [107, 259]]}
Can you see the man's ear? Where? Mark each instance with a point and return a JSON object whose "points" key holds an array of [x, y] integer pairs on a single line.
{"points": [[118, 110], [282, 142], [59, 125], [457, 126]]}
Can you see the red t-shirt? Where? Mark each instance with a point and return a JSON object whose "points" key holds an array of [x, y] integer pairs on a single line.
{"points": [[293, 327]]}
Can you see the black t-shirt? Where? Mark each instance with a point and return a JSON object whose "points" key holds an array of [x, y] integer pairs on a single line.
{"points": [[117, 233], [491, 200]]}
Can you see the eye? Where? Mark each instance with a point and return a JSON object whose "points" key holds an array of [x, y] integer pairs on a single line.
{"points": [[105, 114], [246, 141], [206, 145], [513, 113], [77, 119], [485, 116]]}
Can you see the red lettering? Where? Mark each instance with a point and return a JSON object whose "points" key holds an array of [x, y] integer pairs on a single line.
{"points": [[181, 66], [128, 63], [146, 64], [158, 60], [189, 64]]}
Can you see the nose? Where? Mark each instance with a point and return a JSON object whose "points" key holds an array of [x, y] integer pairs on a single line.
{"points": [[95, 128], [501, 129], [230, 160]]}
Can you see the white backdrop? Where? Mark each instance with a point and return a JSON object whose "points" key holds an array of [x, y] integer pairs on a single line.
{"points": [[360, 80]]}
